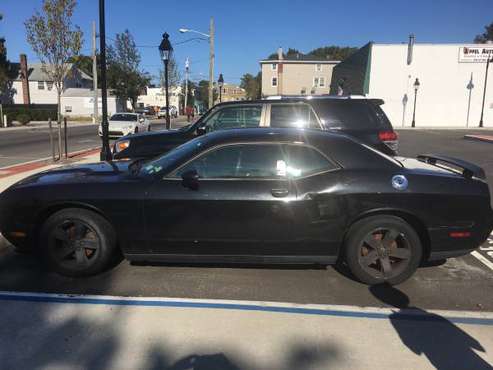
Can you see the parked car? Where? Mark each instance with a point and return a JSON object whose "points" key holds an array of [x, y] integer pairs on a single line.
{"points": [[145, 111], [173, 112], [359, 117], [123, 124], [298, 196]]}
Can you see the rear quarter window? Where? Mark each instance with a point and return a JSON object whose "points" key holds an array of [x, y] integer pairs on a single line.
{"points": [[351, 114]]}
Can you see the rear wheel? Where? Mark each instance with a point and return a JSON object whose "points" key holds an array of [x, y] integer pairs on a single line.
{"points": [[382, 249], [136, 130], [78, 242]]}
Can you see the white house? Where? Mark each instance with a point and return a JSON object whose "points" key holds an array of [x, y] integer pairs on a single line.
{"points": [[79, 102], [451, 82], [156, 97], [33, 85]]}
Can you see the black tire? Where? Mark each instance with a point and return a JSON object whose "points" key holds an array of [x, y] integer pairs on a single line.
{"points": [[88, 253], [374, 255], [149, 128], [136, 130]]}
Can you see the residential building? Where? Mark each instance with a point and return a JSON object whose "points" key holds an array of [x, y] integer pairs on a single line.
{"points": [[232, 92], [451, 82], [34, 86], [79, 102], [296, 75], [156, 97]]}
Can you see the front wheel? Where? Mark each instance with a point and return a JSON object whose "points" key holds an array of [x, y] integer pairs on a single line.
{"points": [[78, 242], [382, 249]]}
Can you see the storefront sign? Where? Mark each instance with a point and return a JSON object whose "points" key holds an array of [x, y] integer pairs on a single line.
{"points": [[475, 54]]}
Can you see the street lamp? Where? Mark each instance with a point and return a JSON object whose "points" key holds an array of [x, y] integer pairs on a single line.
{"points": [[165, 49], [416, 88], [220, 83], [484, 91], [210, 36], [105, 154]]}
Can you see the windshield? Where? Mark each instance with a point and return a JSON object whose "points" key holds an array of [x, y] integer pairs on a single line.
{"points": [[169, 160], [123, 117]]}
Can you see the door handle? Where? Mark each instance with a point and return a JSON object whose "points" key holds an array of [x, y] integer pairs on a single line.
{"points": [[279, 193]]}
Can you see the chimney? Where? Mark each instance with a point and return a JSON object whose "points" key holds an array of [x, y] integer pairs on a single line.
{"points": [[279, 54], [410, 47], [25, 79]]}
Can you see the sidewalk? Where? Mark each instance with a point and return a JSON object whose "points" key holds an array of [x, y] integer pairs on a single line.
{"points": [[485, 138], [44, 125]]}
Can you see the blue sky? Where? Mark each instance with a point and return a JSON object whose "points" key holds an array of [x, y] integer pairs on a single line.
{"points": [[247, 31]]}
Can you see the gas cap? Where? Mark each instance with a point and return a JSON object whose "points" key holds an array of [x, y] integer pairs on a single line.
{"points": [[399, 182]]}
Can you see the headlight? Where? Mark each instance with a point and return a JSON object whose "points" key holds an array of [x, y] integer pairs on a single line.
{"points": [[122, 145], [130, 127]]}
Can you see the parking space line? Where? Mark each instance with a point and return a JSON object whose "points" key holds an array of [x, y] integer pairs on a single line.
{"points": [[457, 317], [483, 259]]}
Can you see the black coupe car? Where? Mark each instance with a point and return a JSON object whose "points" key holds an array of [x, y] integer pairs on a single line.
{"points": [[249, 195]]}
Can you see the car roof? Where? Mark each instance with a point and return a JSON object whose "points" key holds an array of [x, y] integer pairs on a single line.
{"points": [[301, 98]]}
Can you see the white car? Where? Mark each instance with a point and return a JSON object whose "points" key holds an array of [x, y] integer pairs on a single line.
{"points": [[123, 124], [173, 112]]}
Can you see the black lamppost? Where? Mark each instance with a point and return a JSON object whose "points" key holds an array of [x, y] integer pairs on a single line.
{"points": [[416, 88], [220, 83], [165, 49], [105, 154], [484, 91]]}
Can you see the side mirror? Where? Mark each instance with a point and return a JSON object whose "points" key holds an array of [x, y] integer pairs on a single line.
{"points": [[201, 130], [190, 179]]}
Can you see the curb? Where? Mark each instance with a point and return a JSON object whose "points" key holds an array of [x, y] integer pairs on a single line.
{"points": [[483, 138], [29, 166]]}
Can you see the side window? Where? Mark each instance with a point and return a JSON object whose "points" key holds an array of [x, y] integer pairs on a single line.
{"points": [[303, 161], [293, 115], [240, 161], [235, 117]]}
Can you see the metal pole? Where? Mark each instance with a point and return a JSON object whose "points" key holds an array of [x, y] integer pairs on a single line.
{"points": [[414, 109], [52, 144], [220, 94], [1, 116], [95, 74], [59, 123], [484, 91], [211, 62], [168, 123], [65, 136], [105, 149], [187, 66], [468, 107]]}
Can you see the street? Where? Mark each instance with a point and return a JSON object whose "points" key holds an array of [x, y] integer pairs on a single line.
{"points": [[30, 144]]}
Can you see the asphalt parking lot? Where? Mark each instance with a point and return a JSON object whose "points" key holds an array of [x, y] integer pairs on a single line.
{"points": [[458, 284]]}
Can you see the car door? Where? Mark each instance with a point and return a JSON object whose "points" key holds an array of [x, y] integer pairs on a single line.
{"points": [[320, 206], [235, 116], [242, 205]]}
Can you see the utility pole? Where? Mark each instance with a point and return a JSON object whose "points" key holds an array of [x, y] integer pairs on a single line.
{"points": [[105, 149], [484, 90], [187, 67], [94, 74], [211, 63]]}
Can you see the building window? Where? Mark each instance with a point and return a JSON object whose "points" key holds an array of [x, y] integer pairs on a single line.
{"points": [[68, 109], [315, 81], [41, 85], [321, 82], [49, 85], [274, 66], [274, 81], [318, 68]]}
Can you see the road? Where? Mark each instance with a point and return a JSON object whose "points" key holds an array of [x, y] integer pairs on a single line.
{"points": [[459, 283], [23, 145]]}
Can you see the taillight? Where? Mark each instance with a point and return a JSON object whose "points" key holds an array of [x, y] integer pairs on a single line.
{"points": [[460, 234], [387, 136]]}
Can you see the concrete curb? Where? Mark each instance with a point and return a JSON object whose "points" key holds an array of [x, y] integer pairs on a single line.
{"points": [[45, 162], [483, 138]]}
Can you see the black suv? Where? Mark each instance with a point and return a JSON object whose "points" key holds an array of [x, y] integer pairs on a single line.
{"points": [[359, 117]]}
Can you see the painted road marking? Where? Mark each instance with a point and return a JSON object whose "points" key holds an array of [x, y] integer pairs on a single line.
{"points": [[457, 317], [484, 254]]}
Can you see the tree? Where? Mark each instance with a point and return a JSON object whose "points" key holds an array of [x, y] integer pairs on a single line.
{"points": [[174, 77], [486, 36], [252, 85], [124, 76], [327, 52], [83, 62], [202, 92], [55, 40], [7, 72]]}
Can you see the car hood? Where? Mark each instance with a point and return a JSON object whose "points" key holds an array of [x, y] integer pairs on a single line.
{"points": [[120, 124], [82, 173], [174, 132]]}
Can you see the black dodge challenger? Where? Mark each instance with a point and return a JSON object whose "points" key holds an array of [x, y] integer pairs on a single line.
{"points": [[254, 195]]}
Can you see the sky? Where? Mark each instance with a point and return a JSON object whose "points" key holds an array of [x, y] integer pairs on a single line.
{"points": [[248, 31]]}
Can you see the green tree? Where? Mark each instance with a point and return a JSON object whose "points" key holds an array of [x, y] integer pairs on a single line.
{"points": [[332, 52], [124, 75], [83, 62], [486, 36], [7, 72], [55, 40], [202, 92], [252, 85]]}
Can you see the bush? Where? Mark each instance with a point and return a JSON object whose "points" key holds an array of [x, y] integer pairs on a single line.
{"points": [[35, 112], [23, 118]]}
